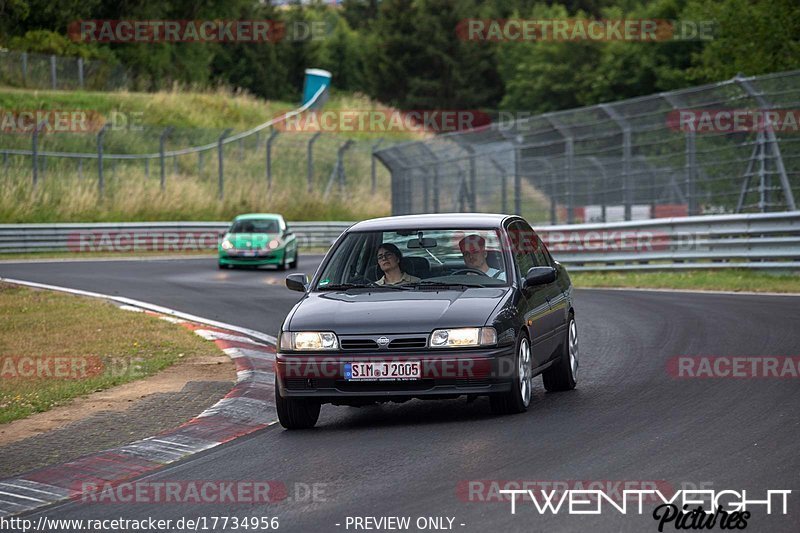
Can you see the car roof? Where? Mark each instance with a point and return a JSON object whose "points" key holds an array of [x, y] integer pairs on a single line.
{"points": [[433, 221], [249, 216]]}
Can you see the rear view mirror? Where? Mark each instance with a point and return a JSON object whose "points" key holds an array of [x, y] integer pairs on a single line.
{"points": [[539, 276], [424, 242], [297, 282]]}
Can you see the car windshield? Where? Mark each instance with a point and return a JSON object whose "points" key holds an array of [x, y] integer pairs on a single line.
{"points": [[255, 225], [416, 259]]}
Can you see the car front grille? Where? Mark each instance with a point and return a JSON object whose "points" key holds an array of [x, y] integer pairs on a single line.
{"points": [[371, 344], [414, 342], [358, 344]]}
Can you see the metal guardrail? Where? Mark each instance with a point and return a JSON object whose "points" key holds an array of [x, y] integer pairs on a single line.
{"points": [[143, 236], [757, 241]]}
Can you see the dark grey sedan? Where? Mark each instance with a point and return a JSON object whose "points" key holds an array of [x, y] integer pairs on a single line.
{"points": [[429, 307]]}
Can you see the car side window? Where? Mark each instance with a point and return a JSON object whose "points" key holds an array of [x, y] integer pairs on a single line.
{"points": [[522, 257]]}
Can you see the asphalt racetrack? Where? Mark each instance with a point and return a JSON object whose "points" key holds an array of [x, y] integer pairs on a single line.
{"points": [[629, 420]]}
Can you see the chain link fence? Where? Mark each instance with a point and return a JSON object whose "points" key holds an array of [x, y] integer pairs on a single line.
{"points": [[40, 71], [671, 154]]}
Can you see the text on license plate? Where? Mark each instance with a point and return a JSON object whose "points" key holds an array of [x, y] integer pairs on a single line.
{"points": [[380, 370]]}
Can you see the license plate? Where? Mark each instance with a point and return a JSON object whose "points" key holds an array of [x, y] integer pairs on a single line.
{"points": [[250, 253], [383, 371]]}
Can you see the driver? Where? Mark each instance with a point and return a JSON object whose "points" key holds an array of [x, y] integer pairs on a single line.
{"points": [[473, 248]]}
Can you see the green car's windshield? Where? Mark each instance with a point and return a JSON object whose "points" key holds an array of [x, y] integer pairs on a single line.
{"points": [[255, 225], [420, 259]]}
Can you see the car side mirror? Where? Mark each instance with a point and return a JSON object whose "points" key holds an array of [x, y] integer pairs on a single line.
{"points": [[297, 282], [539, 276]]}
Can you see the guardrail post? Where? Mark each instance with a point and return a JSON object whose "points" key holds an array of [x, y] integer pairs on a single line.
{"points": [[272, 135], [310, 161], [80, 168], [80, 72], [101, 185], [241, 148], [373, 170], [35, 151], [147, 167], [220, 159], [161, 156], [199, 163], [53, 77], [5, 162]]}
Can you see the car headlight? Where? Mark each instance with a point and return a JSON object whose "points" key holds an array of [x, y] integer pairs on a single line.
{"points": [[460, 337], [274, 243], [226, 244], [309, 340]]}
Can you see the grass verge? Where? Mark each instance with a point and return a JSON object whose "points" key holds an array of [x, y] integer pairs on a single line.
{"points": [[719, 280], [55, 347]]}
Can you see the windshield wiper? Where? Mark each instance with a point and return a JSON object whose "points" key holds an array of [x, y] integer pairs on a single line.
{"points": [[373, 286], [444, 285], [342, 286]]}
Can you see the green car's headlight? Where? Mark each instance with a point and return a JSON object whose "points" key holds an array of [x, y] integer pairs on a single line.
{"points": [[463, 337], [309, 340], [226, 244], [274, 243]]}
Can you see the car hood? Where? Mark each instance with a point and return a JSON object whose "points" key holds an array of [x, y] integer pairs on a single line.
{"points": [[250, 240], [382, 311]]}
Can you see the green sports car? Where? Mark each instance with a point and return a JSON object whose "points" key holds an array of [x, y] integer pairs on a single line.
{"points": [[258, 239]]}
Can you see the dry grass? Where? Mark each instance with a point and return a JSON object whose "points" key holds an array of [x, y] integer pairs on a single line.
{"points": [[106, 345]]}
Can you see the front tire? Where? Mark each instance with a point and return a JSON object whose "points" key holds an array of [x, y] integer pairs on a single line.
{"points": [[296, 413], [563, 375], [294, 262], [518, 398], [282, 264]]}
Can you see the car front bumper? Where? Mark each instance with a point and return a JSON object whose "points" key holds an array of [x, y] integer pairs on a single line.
{"points": [[272, 257], [445, 373]]}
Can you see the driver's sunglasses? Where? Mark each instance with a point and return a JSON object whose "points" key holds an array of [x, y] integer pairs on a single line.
{"points": [[385, 256]]}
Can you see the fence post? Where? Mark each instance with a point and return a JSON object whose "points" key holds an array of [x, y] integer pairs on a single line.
{"points": [[518, 176], [569, 164], [200, 162], [270, 140], [773, 141], [80, 72], [373, 169], [220, 158], [5, 163], [627, 197], [24, 69], [100, 180], [80, 168], [310, 160], [35, 151], [161, 157], [53, 77]]}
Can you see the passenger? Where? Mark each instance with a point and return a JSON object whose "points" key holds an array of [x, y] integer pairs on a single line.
{"points": [[473, 248], [389, 257]]}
